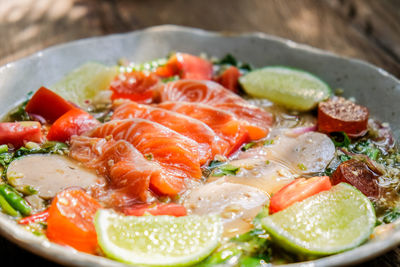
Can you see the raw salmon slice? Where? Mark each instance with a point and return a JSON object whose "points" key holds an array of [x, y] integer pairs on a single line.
{"points": [[210, 144], [119, 160], [129, 171], [224, 124], [177, 153], [255, 120], [136, 85]]}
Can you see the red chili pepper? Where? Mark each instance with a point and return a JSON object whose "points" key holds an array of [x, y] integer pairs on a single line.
{"points": [[38, 217]]}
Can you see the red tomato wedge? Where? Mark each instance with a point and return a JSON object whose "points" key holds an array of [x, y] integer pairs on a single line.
{"points": [[70, 220], [171, 209], [74, 122], [48, 104], [256, 121], [136, 85], [210, 144], [18, 133], [298, 190], [230, 79], [187, 67], [223, 123]]}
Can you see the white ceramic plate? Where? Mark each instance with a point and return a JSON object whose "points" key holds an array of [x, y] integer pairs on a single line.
{"points": [[371, 86]]}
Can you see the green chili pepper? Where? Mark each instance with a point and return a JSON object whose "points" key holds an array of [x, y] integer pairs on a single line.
{"points": [[7, 208], [14, 199]]}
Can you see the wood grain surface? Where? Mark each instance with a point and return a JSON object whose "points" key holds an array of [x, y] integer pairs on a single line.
{"points": [[364, 29]]}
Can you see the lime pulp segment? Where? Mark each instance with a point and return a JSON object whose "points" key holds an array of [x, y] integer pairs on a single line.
{"points": [[85, 82], [326, 223], [157, 240], [291, 88]]}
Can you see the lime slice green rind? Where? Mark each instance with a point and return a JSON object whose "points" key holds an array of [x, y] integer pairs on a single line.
{"points": [[327, 223], [85, 82], [292, 88], [157, 240]]}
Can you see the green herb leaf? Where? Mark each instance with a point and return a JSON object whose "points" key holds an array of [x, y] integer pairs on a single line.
{"points": [[226, 169], [215, 163], [329, 171], [170, 79], [248, 146], [19, 113], [340, 139], [344, 158], [268, 142], [391, 216], [228, 59], [301, 166]]}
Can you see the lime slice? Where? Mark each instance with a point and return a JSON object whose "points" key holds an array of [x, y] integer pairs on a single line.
{"points": [[326, 223], [84, 83], [157, 240], [291, 88]]}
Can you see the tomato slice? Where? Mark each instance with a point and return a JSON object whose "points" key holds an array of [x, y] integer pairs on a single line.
{"points": [[230, 79], [187, 67], [18, 133], [171, 209], [48, 104], [136, 86], [298, 190], [70, 220], [74, 122]]}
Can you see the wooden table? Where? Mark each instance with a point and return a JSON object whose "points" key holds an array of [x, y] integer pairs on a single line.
{"points": [[368, 30]]}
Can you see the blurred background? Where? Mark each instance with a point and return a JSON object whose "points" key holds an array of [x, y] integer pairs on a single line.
{"points": [[364, 29]]}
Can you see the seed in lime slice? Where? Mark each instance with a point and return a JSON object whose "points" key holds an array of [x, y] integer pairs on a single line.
{"points": [[291, 88], [84, 83], [326, 223], [157, 240]]}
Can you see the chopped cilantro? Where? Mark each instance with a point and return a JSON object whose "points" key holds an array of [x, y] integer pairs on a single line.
{"points": [[248, 146], [344, 158], [340, 139], [226, 169], [391, 216], [149, 156], [302, 167], [268, 142], [19, 113]]}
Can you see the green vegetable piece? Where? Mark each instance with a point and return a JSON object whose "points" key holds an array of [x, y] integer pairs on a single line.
{"points": [[248, 146], [391, 216], [340, 139], [6, 207], [3, 149], [15, 200], [302, 167], [228, 59], [226, 169], [344, 158], [268, 142], [248, 261], [19, 113], [292, 88]]}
